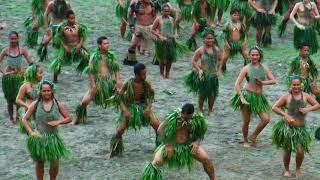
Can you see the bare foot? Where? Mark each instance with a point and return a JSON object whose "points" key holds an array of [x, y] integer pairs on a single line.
{"points": [[161, 77], [246, 144], [298, 173], [253, 139], [287, 174], [210, 113]]}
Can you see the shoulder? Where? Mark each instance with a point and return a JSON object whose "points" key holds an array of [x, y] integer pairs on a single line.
{"points": [[5, 51]]}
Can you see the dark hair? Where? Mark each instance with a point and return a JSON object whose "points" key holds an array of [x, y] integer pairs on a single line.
{"points": [[295, 77], [187, 108], [69, 13], [303, 44], [13, 32], [100, 39], [138, 68], [234, 10], [164, 6], [259, 50]]}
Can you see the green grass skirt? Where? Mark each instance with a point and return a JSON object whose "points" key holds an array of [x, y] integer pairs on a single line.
{"points": [[289, 138], [116, 146], [43, 52], [208, 87], [258, 103], [308, 36], [137, 119], [64, 59], [151, 172], [81, 114], [186, 12], [262, 20], [181, 158], [105, 89], [31, 39], [166, 51], [48, 148], [243, 7], [10, 86], [235, 47], [122, 12]]}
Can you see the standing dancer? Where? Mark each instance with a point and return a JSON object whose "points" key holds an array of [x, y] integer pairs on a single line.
{"points": [[304, 30], [203, 81], [252, 100], [263, 20], [245, 11], [101, 67], [13, 75], [181, 132], [44, 142], [291, 133]]}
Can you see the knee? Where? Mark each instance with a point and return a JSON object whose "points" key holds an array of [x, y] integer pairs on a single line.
{"points": [[300, 150], [265, 120]]}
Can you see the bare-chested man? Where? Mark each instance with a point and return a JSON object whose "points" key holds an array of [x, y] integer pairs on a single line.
{"points": [[102, 66], [235, 38], [136, 98], [141, 16], [202, 17], [57, 9], [36, 21], [69, 39], [181, 134], [13, 75], [304, 30]]}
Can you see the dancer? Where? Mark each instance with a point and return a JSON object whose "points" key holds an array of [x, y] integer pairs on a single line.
{"points": [[101, 67], [44, 142], [203, 81], [235, 39], [304, 30], [13, 75], [252, 100], [57, 9], [69, 40], [263, 20], [245, 12], [136, 98], [181, 133], [291, 133], [28, 92]]}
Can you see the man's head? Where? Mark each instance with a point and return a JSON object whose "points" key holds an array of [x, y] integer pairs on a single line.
{"points": [[304, 50], [187, 112], [103, 43], [71, 17], [140, 71], [235, 15]]}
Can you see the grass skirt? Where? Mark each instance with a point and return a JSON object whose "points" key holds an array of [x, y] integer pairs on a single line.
{"points": [[48, 148], [289, 138], [222, 4], [81, 113], [235, 47], [43, 52], [205, 88], [181, 158], [10, 86], [308, 35], [243, 7], [31, 35], [262, 20], [257, 103], [151, 172], [116, 146], [105, 89], [166, 51], [186, 12], [64, 59], [137, 119]]}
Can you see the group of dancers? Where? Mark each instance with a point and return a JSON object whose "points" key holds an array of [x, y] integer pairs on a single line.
{"points": [[178, 137]]}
